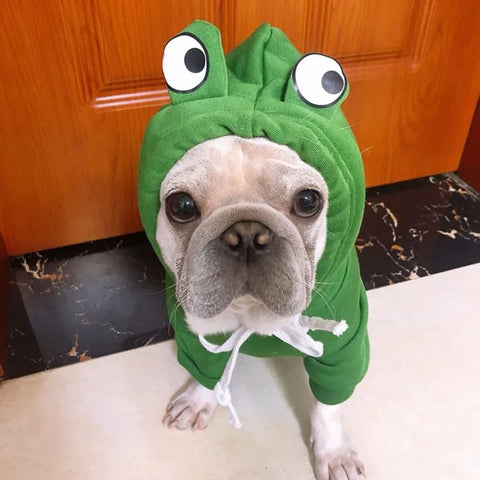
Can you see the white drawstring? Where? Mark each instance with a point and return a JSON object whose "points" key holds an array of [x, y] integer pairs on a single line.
{"points": [[295, 335], [222, 392]]}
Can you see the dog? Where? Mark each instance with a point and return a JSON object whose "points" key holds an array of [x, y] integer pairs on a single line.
{"points": [[245, 226]]}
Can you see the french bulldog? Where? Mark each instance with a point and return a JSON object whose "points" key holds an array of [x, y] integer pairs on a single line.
{"points": [[256, 226], [247, 260]]}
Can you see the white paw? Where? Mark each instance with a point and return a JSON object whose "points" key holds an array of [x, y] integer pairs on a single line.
{"points": [[334, 458], [194, 408], [340, 464]]}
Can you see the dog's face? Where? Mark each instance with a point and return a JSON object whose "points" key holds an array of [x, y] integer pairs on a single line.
{"points": [[242, 226]]}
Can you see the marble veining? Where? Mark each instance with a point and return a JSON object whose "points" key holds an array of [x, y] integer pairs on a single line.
{"points": [[76, 303], [418, 228], [89, 300]]}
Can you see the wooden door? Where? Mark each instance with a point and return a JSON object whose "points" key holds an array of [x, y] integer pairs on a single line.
{"points": [[80, 79], [469, 168]]}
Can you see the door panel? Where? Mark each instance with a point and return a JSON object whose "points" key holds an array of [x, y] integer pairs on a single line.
{"points": [[117, 47], [79, 81]]}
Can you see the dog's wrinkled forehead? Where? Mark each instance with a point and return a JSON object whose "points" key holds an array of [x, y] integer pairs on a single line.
{"points": [[231, 169]]}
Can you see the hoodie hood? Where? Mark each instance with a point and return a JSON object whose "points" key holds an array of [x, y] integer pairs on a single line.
{"points": [[265, 88]]}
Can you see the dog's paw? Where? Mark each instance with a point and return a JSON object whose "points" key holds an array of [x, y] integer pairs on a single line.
{"points": [[193, 408], [341, 464]]}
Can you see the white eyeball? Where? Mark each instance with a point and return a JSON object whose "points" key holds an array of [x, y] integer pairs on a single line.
{"points": [[185, 63], [319, 80]]}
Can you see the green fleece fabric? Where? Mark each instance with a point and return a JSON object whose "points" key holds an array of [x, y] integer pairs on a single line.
{"points": [[250, 93]]}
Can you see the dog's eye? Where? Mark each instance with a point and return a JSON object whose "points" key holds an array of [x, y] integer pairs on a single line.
{"points": [[181, 208], [185, 63], [307, 203], [319, 80]]}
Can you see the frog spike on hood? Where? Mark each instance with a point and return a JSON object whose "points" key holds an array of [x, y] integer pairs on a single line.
{"points": [[265, 93]]}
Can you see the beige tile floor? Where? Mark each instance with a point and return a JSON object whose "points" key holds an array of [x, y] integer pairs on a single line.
{"points": [[416, 416]]}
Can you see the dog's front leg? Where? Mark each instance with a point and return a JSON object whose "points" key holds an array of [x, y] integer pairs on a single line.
{"points": [[194, 408], [334, 457]]}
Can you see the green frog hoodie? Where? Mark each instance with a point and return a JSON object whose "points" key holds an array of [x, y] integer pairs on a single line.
{"points": [[265, 88]]}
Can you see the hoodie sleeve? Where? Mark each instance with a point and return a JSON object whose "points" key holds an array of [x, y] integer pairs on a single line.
{"points": [[334, 376]]}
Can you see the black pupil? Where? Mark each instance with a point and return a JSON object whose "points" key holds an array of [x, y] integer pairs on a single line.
{"points": [[195, 60], [332, 82], [308, 201], [183, 207]]}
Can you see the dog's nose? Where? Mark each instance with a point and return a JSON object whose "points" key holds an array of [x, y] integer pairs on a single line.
{"points": [[247, 237]]}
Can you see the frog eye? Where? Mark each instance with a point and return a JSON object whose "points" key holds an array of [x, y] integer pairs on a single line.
{"points": [[185, 63], [318, 80]]}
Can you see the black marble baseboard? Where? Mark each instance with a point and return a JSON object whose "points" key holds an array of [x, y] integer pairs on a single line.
{"points": [[84, 301], [418, 228], [72, 304]]}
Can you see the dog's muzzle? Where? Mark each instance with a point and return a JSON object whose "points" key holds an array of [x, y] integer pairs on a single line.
{"points": [[244, 249]]}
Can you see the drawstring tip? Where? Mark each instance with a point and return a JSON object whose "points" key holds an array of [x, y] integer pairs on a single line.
{"points": [[235, 422], [224, 398], [234, 419], [340, 328]]}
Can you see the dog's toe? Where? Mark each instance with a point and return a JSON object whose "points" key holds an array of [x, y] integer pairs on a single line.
{"points": [[185, 419], [342, 464], [203, 419], [199, 423]]}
